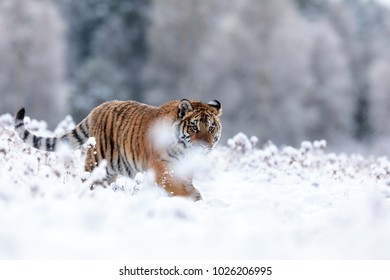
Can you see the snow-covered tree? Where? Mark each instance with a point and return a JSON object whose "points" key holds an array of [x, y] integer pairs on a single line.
{"points": [[32, 56], [276, 73], [177, 32], [289, 76], [379, 81], [360, 25], [380, 98], [331, 101], [97, 81], [243, 63], [110, 32]]}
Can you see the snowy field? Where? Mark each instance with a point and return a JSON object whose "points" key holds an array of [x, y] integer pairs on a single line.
{"points": [[258, 202]]}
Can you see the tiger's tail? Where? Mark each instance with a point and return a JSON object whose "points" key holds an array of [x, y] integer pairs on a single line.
{"points": [[74, 138]]}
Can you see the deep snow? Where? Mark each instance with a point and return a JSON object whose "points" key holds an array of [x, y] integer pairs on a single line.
{"points": [[269, 202]]}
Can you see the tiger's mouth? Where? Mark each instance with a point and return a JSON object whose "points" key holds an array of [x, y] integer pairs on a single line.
{"points": [[202, 146]]}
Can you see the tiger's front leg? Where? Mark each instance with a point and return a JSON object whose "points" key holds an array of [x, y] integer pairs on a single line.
{"points": [[165, 178]]}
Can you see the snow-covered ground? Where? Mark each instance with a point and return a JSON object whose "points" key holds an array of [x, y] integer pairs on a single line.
{"points": [[258, 202]]}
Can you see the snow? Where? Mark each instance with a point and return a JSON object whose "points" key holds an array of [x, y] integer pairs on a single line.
{"points": [[263, 202]]}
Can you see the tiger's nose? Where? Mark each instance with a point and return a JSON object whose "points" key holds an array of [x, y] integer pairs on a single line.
{"points": [[205, 146], [202, 144]]}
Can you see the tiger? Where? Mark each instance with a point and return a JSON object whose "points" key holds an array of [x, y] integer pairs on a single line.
{"points": [[125, 139]]}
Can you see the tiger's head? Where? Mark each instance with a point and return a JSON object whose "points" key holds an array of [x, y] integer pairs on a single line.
{"points": [[199, 125]]}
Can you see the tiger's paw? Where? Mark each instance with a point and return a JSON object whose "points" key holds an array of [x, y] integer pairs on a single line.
{"points": [[196, 196]]}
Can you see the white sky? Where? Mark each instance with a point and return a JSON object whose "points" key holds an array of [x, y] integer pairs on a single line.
{"points": [[386, 2]]}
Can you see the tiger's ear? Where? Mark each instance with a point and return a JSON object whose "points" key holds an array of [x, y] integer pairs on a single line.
{"points": [[184, 107], [216, 104]]}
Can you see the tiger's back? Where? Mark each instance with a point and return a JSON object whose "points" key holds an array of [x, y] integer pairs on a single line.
{"points": [[120, 130], [124, 138]]}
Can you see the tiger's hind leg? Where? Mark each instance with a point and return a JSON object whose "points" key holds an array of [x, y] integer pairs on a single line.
{"points": [[91, 162]]}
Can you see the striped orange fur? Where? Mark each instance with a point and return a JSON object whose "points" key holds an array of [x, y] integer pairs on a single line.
{"points": [[125, 138]]}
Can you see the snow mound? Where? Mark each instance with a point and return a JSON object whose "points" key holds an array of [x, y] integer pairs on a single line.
{"points": [[258, 202]]}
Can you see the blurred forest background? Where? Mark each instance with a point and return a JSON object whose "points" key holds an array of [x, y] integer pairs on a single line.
{"points": [[284, 70]]}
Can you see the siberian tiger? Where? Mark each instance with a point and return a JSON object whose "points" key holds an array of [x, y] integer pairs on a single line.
{"points": [[124, 136]]}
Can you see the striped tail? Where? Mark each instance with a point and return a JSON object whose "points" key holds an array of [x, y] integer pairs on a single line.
{"points": [[74, 138]]}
